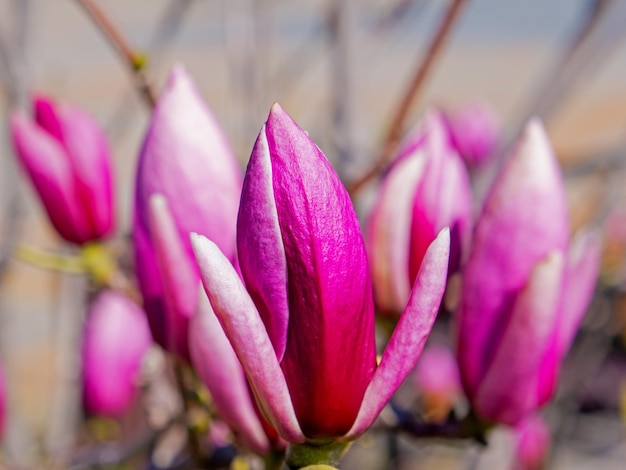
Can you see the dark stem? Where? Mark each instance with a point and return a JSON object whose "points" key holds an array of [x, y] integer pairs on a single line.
{"points": [[419, 78], [134, 61]]}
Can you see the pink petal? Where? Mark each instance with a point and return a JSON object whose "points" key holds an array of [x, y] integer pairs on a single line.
{"points": [[178, 276], [508, 391], [219, 369], [406, 343], [260, 246], [245, 330]]}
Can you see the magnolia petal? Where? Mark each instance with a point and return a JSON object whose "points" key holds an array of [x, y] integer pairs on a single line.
{"points": [[179, 278], [245, 330], [389, 231], [260, 246], [219, 369], [49, 169], [581, 273], [509, 389], [408, 339]]}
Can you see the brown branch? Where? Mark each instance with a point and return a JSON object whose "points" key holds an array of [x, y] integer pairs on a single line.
{"points": [[419, 78], [134, 61]]}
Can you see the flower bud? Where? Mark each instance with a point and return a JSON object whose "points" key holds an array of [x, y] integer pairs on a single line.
{"points": [[115, 341], [304, 329], [67, 158]]}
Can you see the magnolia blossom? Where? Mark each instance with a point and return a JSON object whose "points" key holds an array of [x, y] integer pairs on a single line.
{"points": [[67, 158], [187, 159], [532, 443], [115, 341], [525, 289], [304, 328], [426, 189], [473, 130]]}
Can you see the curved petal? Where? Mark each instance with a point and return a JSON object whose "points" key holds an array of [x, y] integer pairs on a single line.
{"points": [[260, 246], [245, 330], [178, 275], [509, 389], [389, 231], [406, 343], [219, 369], [47, 165]]}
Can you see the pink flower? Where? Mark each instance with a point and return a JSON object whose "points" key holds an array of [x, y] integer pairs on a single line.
{"points": [[533, 443], [437, 379], [115, 341], [187, 159], [67, 157], [524, 290], [304, 329], [426, 189], [473, 130]]}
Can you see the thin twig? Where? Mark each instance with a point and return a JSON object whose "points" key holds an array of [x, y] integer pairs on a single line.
{"points": [[419, 78], [134, 61]]}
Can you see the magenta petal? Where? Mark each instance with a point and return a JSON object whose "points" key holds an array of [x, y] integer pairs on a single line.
{"points": [[509, 390], [49, 170], [330, 293], [178, 275], [524, 219], [115, 340], [408, 339], [219, 369], [260, 246], [247, 334], [581, 273]]}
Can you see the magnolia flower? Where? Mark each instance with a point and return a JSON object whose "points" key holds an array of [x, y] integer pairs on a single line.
{"points": [[426, 189], [115, 341], [525, 290], [187, 159], [304, 328], [532, 443], [67, 158], [473, 130], [437, 379]]}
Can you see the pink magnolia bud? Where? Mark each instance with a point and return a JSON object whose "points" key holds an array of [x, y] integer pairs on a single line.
{"points": [[533, 443], [115, 341], [187, 160], [304, 329], [473, 130], [67, 158], [524, 291], [426, 189], [437, 379]]}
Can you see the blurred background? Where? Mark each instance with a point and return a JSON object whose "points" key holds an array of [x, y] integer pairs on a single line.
{"points": [[341, 69]]}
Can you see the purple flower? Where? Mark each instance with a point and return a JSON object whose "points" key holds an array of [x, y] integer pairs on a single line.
{"points": [[115, 341], [473, 130], [524, 290], [533, 443], [67, 158], [304, 329], [426, 189], [187, 159]]}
